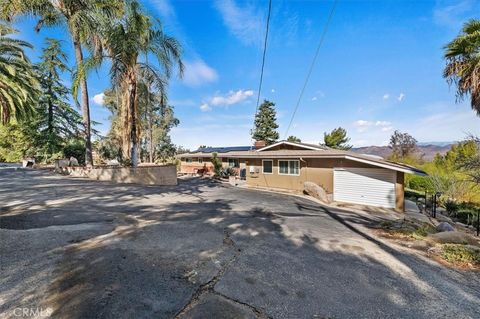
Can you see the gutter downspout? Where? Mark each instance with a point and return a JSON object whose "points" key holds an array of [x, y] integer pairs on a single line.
{"points": [[306, 169]]}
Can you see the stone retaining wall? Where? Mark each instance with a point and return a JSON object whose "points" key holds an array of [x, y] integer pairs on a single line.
{"points": [[146, 175]]}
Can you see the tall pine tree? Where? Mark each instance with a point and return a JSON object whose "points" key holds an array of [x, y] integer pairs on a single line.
{"points": [[266, 123], [56, 120], [337, 138]]}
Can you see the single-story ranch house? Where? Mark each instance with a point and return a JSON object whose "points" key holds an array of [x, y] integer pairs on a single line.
{"points": [[345, 176]]}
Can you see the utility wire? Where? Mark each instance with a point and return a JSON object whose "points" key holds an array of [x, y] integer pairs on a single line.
{"points": [[322, 37], [263, 59]]}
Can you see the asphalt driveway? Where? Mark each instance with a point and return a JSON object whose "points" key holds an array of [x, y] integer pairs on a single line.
{"points": [[75, 248]]}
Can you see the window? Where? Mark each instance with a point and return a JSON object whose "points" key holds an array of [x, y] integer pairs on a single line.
{"points": [[233, 162], [200, 160], [289, 167], [189, 160], [267, 166]]}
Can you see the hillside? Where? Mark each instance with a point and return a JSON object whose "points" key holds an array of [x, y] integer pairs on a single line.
{"points": [[428, 151]]}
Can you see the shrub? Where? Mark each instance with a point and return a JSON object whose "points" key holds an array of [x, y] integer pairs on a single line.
{"points": [[229, 171], [419, 183], [414, 194], [423, 231], [217, 164], [456, 253], [468, 217], [451, 206]]}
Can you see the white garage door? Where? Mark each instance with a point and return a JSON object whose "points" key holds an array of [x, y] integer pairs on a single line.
{"points": [[366, 186]]}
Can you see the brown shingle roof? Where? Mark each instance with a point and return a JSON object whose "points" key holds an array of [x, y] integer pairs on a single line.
{"points": [[321, 152]]}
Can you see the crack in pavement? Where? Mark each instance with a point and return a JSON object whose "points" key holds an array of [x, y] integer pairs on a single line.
{"points": [[209, 287]]}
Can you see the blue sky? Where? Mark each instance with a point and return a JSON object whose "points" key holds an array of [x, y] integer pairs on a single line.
{"points": [[379, 69]]}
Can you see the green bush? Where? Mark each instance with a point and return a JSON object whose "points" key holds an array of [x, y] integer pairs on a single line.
{"points": [[414, 194], [455, 253], [217, 164], [75, 148], [451, 206], [469, 217], [419, 183]]}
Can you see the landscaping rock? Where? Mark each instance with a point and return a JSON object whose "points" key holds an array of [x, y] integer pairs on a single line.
{"points": [[417, 217], [444, 227], [113, 162], [453, 237], [443, 218], [316, 191], [61, 163], [411, 206], [73, 161]]}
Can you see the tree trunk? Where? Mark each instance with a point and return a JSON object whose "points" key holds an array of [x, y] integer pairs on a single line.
{"points": [[132, 93], [150, 137], [85, 103], [50, 106]]}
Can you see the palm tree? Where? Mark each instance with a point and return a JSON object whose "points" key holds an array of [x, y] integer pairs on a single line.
{"points": [[80, 16], [463, 63], [18, 83], [129, 42]]}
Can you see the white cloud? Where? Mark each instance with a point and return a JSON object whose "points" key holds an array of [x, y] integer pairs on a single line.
{"points": [[164, 7], [245, 22], [401, 97], [233, 97], [382, 123], [453, 15], [314, 98], [455, 125], [198, 73], [99, 98], [362, 125], [386, 96], [205, 107], [320, 93], [273, 91]]}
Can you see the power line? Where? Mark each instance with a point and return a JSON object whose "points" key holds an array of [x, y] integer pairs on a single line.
{"points": [[325, 29], [263, 59]]}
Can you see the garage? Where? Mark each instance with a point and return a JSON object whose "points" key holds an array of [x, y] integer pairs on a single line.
{"points": [[365, 186]]}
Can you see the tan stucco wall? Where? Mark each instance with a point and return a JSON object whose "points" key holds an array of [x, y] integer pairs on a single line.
{"points": [[151, 175], [400, 192], [319, 171]]}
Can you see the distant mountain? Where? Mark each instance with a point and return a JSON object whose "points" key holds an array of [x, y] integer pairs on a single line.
{"points": [[427, 150], [436, 143]]}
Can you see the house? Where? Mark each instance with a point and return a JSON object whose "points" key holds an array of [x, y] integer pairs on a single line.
{"points": [[345, 176]]}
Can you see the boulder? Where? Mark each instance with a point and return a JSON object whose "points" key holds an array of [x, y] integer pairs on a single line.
{"points": [[73, 161], [444, 227], [316, 191], [61, 163], [113, 162], [443, 218]]}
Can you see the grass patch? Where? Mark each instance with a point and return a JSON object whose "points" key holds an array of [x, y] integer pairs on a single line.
{"points": [[419, 232], [461, 254], [407, 229]]}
